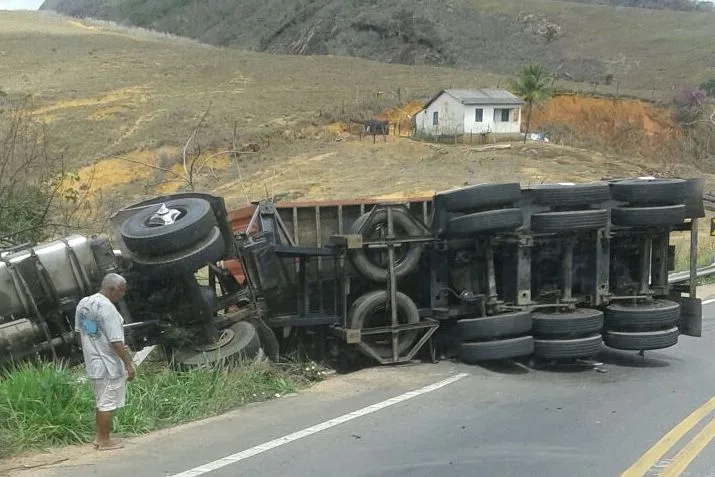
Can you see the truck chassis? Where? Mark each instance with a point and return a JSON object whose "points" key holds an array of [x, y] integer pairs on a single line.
{"points": [[486, 272]]}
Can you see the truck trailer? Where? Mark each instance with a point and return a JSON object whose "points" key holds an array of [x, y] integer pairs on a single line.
{"points": [[486, 272]]}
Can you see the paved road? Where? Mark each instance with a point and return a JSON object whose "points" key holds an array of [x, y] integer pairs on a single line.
{"points": [[508, 421]]}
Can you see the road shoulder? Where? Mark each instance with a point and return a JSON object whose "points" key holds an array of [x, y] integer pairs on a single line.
{"points": [[706, 292], [248, 426]]}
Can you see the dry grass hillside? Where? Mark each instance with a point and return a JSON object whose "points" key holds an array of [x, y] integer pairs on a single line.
{"points": [[645, 49], [117, 101]]}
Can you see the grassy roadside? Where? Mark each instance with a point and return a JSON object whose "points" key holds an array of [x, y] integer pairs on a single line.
{"points": [[706, 245], [48, 405]]}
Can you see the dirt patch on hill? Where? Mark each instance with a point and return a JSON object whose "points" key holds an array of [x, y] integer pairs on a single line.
{"points": [[617, 124]]}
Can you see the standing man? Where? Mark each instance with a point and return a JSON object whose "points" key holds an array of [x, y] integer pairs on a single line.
{"points": [[106, 359]]}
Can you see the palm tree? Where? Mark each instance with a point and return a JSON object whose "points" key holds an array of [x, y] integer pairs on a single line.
{"points": [[532, 85]]}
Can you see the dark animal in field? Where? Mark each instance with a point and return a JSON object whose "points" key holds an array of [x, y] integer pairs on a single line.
{"points": [[374, 127]]}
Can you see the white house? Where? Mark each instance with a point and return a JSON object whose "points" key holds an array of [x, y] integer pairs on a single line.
{"points": [[470, 111]]}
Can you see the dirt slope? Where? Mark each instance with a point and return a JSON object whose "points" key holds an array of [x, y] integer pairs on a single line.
{"points": [[625, 126]]}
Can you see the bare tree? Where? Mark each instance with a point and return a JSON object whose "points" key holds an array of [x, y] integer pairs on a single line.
{"points": [[27, 172], [191, 159], [692, 111], [39, 197]]}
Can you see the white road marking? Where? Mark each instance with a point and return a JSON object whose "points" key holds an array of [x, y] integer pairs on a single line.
{"points": [[707, 302], [266, 446]]}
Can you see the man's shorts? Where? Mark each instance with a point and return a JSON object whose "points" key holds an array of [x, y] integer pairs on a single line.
{"points": [[109, 393]]}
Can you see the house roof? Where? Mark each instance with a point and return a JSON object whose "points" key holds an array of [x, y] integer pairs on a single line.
{"points": [[478, 96]]}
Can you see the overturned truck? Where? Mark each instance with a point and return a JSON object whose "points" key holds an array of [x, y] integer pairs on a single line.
{"points": [[484, 272]]}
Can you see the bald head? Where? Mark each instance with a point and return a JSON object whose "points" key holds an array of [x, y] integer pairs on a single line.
{"points": [[113, 286]]}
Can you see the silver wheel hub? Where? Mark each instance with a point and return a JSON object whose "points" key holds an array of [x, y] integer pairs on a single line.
{"points": [[225, 338], [164, 216]]}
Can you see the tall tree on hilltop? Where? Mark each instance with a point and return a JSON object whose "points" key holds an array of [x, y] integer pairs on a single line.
{"points": [[532, 85]]}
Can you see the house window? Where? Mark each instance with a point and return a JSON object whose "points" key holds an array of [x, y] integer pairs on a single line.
{"points": [[501, 115], [478, 115], [435, 118]]}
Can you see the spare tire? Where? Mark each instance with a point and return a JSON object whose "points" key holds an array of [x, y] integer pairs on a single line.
{"points": [[194, 221], [406, 262], [367, 307]]}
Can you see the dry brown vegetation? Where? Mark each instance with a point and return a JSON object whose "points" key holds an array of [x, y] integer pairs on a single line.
{"points": [[120, 102], [650, 50]]}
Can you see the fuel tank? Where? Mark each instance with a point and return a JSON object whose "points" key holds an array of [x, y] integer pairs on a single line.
{"points": [[44, 274]]}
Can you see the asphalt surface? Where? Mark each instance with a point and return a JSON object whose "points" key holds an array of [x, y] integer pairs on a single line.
{"points": [[504, 421]]}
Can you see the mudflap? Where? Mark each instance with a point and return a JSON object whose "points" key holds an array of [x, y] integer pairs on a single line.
{"points": [[691, 316]]}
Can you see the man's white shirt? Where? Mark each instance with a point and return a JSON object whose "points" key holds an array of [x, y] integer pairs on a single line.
{"points": [[99, 323]]}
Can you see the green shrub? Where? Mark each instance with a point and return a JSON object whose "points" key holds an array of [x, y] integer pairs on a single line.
{"points": [[45, 405], [709, 87]]}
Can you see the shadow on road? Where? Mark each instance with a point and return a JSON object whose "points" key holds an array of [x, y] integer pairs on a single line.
{"points": [[600, 363], [631, 359], [505, 367]]}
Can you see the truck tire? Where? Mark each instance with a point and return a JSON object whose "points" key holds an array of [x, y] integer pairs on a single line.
{"points": [[497, 326], [368, 305], [651, 316], [475, 351], [406, 264], [576, 220], [244, 344], [641, 341], [195, 222], [209, 250], [662, 216], [572, 348], [269, 341], [650, 191], [492, 221], [480, 196], [569, 195], [581, 321]]}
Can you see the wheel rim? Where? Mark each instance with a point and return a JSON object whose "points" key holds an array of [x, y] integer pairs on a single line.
{"points": [[165, 216], [225, 349], [380, 317], [380, 257], [226, 337]]}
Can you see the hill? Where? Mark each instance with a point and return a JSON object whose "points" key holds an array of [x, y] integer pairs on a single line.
{"points": [[642, 49], [677, 5], [117, 102]]}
